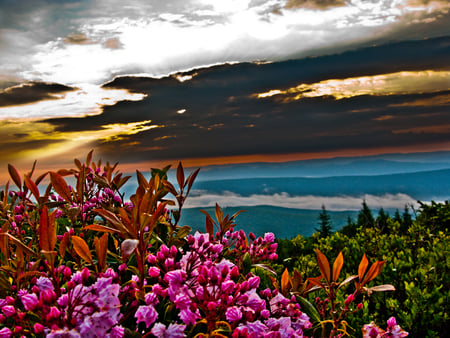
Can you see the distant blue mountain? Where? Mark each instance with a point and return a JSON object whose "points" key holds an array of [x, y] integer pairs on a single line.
{"points": [[424, 185], [341, 166]]}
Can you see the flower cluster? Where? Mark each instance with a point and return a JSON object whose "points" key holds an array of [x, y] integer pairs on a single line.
{"points": [[207, 289], [91, 311]]}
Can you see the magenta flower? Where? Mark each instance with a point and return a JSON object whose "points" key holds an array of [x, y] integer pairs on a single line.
{"points": [[153, 271], [44, 284], [188, 317], [172, 331], [30, 301], [5, 333], [146, 314], [38, 328], [233, 314], [8, 310]]}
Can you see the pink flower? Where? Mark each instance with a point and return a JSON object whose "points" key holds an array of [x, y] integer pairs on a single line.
{"points": [[233, 314], [38, 328], [153, 272], [146, 314], [172, 331], [44, 284], [5, 333], [29, 301], [188, 317], [269, 237], [8, 310]]}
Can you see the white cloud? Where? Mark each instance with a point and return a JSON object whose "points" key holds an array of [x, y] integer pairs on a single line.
{"points": [[333, 203], [86, 100]]}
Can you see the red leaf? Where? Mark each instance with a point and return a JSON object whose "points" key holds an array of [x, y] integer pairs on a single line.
{"points": [[32, 187], [43, 230], [15, 176], [60, 186], [101, 228], [180, 176]]}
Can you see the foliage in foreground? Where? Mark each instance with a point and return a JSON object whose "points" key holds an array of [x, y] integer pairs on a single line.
{"points": [[79, 260], [416, 252]]}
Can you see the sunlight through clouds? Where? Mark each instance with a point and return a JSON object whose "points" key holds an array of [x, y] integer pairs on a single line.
{"points": [[86, 100], [55, 142], [387, 84]]}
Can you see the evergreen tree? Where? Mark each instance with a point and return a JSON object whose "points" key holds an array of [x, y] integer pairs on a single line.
{"points": [[365, 217], [324, 223], [382, 221], [407, 218], [397, 217]]}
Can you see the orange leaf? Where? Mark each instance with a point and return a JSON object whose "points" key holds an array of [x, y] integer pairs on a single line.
{"points": [[89, 158], [362, 267], [337, 266], [102, 228], [44, 242], [180, 176], [63, 244], [60, 186], [286, 284], [101, 246], [324, 266], [374, 271], [32, 187], [82, 249], [15, 176]]}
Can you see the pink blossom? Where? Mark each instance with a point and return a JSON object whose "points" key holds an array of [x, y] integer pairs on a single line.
{"points": [[233, 314], [44, 284], [38, 328], [5, 333], [8, 310], [146, 314], [172, 331], [29, 301], [153, 272]]}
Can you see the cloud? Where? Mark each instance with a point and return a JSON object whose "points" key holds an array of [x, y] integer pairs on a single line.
{"points": [[202, 199], [400, 83], [315, 4], [32, 92], [43, 100], [95, 41]]}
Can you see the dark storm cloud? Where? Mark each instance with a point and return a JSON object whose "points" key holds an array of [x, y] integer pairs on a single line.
{"points": [[222, 116], [31, 92]]}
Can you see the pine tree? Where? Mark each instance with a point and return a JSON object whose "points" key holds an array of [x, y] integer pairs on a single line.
{"points": [[324, 223], [365, 217], [382, 221]]}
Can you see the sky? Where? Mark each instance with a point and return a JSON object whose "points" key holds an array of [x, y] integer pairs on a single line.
{"points": [[148, 83]]}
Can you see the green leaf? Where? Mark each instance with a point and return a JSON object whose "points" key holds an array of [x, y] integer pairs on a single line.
{"points": [[309, 309]]}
